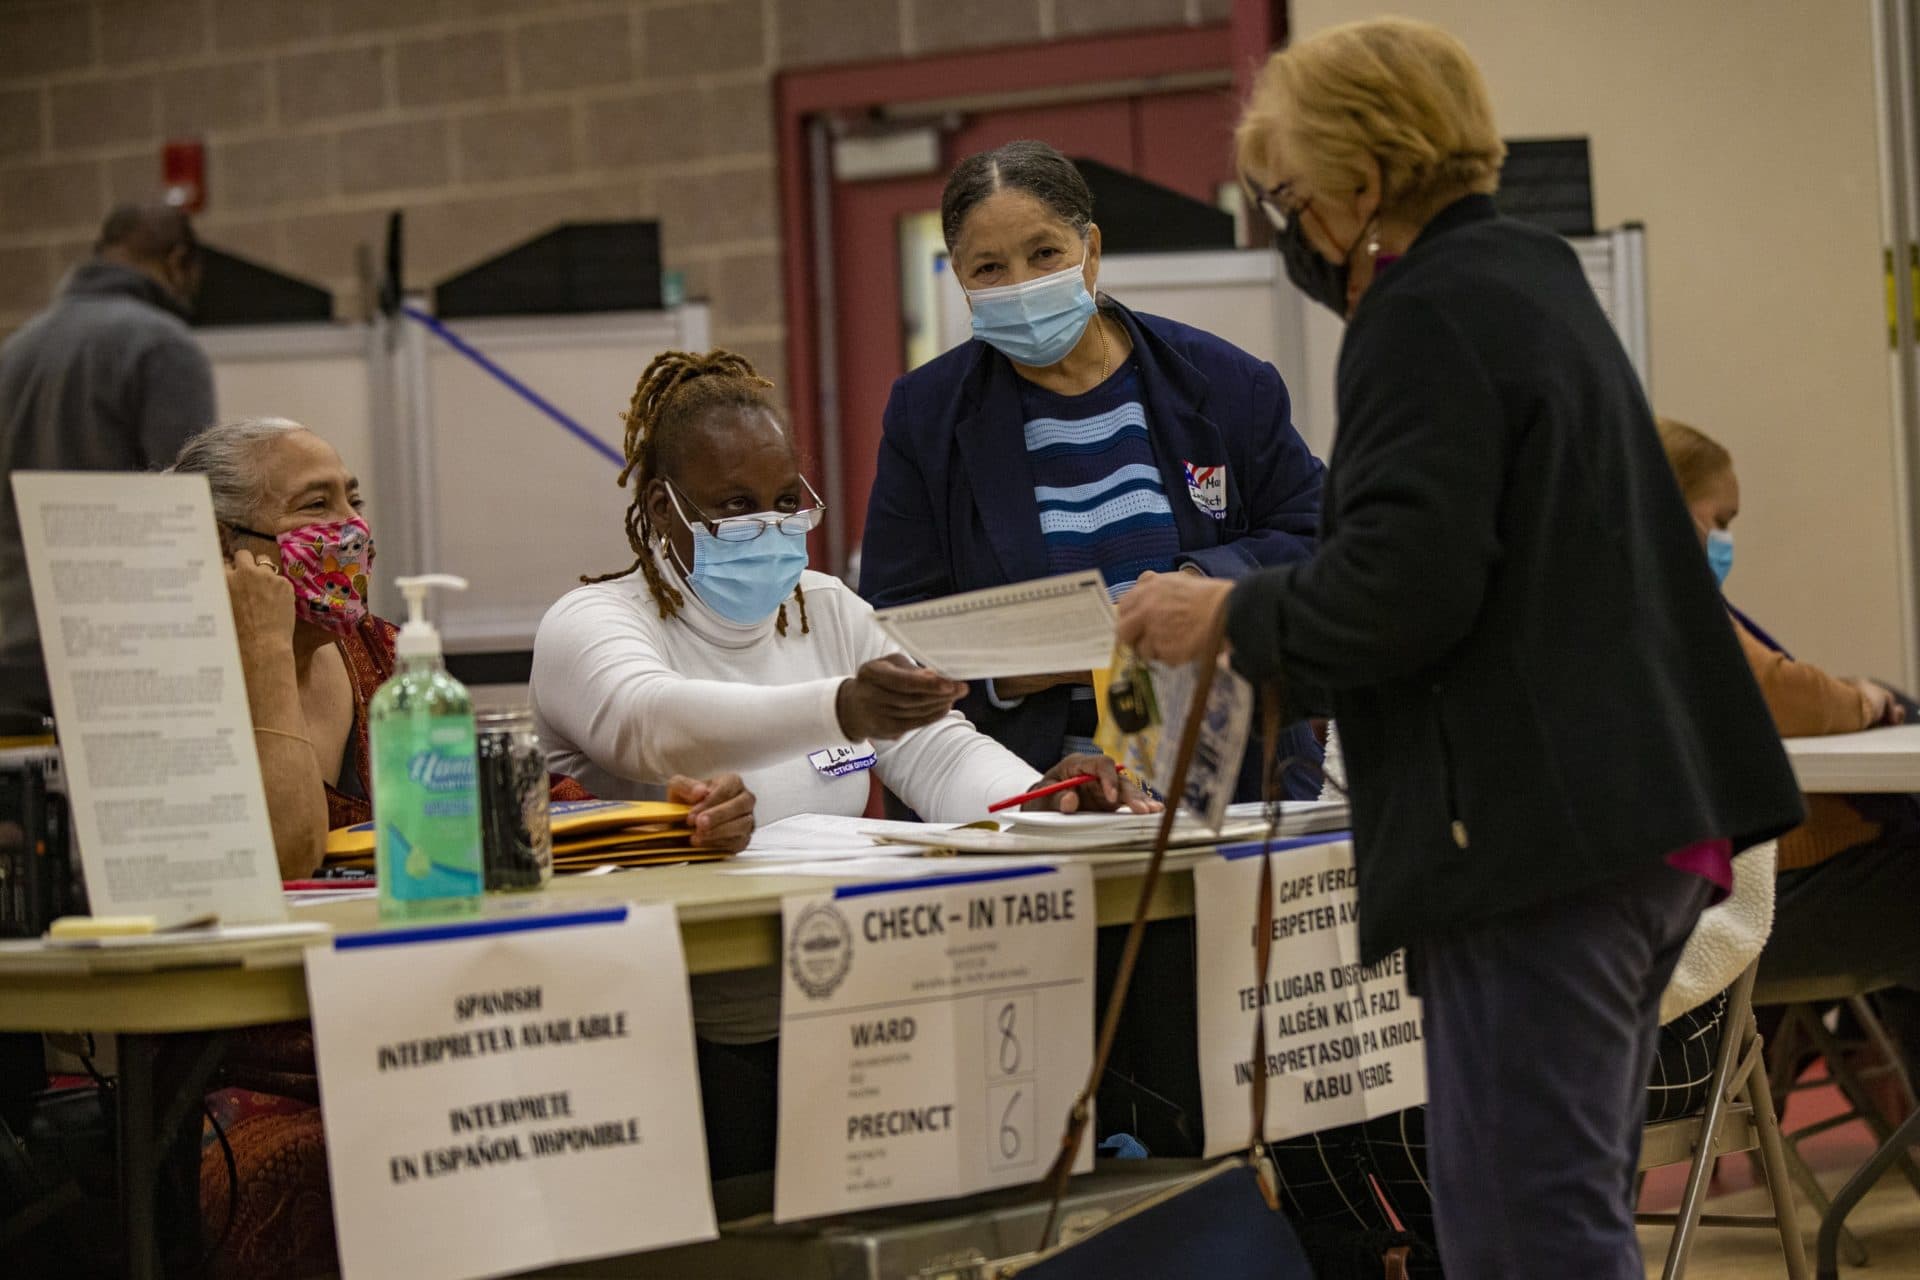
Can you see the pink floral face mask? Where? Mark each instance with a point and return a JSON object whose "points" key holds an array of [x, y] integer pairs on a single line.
{"points": [[328, 565]]}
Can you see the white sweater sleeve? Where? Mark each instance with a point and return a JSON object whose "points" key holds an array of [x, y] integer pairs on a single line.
{"points": [[603, 682], [947, 771]]}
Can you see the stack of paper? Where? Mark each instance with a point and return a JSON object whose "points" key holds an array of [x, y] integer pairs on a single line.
{"points": [[1126, 832], [586, 834]]}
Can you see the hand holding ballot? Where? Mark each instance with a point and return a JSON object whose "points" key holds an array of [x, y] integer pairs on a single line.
{"points": [[889, 697], [1171, 617]]}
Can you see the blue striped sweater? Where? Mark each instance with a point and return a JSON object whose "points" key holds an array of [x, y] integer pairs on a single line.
{"points": [[1102, 503]]}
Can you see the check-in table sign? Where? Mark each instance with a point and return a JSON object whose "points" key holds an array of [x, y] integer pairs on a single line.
{"points": [[934, 1034], [1344, 1042], [509, 1093]]}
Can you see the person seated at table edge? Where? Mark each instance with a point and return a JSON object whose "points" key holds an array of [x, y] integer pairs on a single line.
{"points": [[1849, 876], [300, 560], [312, 654]]}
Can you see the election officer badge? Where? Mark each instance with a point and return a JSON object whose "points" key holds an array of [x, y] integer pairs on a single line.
{"points": [[1208, 488], [821, 950]]}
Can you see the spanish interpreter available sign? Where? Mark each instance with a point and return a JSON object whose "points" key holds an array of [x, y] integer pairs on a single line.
{"points": [[1344, 1041], [934, 1035], [509, 1093]]}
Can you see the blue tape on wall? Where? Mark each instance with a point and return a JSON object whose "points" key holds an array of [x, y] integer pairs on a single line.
{"points": [[516, 386]]}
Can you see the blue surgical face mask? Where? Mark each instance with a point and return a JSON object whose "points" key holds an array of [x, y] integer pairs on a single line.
{"points": [[745, 582], [1035, 322], [1720, 554]]}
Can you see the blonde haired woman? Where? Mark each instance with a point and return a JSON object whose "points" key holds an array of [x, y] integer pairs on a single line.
{"points": [[1552, 742]]}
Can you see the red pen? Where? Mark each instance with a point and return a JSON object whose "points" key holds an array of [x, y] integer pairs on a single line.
{"points": [[1065, 784]]}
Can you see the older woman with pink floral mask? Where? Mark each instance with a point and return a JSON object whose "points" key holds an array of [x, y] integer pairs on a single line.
{"points": [[300, 559]]}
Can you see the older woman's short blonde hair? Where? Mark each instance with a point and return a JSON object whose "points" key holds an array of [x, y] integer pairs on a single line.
{"points": [[1403, 92]]}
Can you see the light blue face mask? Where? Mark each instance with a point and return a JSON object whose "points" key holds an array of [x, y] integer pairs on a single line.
{"points": [[1036, 322], [745, 582], [1720, 554]]}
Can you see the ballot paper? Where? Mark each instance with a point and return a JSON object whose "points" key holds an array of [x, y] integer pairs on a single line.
{"points": [[508, 1093], [155, 731], [1344, 1043], [934, 1035], [1047, 626]]}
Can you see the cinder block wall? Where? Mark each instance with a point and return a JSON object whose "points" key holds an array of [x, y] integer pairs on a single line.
{"points": [[486, 120]]}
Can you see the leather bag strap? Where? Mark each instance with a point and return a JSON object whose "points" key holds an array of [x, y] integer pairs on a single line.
{"points": [[1060, 1174]]}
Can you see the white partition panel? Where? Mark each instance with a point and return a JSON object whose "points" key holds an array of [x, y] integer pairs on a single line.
{"points": [[518, 505], [316, 374]]}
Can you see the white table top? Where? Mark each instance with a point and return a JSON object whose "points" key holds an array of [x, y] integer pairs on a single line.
{"points": [[726, 922], [1876, 760]]}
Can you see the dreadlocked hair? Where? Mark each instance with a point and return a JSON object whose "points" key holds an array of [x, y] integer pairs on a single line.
{"points": [[678, 389]]}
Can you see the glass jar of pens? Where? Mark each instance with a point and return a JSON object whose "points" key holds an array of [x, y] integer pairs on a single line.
{"points": [[515, 820]]}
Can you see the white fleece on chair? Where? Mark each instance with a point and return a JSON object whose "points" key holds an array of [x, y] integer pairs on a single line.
{"points": [[1727, 937], [1723, 943]]}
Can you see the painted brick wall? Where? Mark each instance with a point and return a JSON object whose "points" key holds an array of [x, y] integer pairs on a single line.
{"points": [[486, 120]]}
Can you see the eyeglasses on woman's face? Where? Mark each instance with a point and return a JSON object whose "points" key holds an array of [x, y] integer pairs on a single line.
{"points": [[747, 528], [1279, 202]]}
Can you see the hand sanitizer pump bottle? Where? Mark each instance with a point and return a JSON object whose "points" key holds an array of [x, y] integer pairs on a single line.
{"points": [[426, 798]]}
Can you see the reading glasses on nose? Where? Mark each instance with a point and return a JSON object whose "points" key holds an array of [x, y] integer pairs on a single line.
{"points": [[747, 528]]}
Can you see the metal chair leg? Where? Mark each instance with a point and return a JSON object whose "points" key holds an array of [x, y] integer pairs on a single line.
{"points": [[1855, 1092], [1779, 1182], [1896, 1063], [1691, 1204], [1802, 1176], [1856, 1188]]}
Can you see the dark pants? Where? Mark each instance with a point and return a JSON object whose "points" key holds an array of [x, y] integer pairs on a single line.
{"points": [[1854, 914], [740, 1103], [1541, 1030]]}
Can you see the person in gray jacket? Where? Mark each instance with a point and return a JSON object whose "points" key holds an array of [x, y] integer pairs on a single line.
{"points": [[107, 378]]}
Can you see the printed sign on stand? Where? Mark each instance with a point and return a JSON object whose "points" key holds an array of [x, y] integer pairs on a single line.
{"points": [[144, 668], [509, 1093], [934, 1035], [1344, 1043]]}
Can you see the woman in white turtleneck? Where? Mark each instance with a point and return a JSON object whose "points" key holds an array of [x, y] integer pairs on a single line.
{"points": [[717, 652]]}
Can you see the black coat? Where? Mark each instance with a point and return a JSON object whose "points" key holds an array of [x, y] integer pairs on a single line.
{"points": [[1509, 614]]}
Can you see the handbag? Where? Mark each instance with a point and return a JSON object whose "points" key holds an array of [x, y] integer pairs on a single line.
{"points": [[1226, 1220]]}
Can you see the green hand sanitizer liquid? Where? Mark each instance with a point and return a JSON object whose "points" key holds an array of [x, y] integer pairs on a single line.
{"points": [[426, 789]]}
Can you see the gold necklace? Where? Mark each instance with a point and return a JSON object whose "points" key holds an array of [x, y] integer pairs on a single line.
{"points": [[1106, 365]]}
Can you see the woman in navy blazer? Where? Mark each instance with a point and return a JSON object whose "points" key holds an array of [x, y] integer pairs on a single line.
{"points": [[1178, 448]]}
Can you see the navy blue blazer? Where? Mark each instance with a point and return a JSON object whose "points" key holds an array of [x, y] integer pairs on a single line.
{"points": [[953, 510]]}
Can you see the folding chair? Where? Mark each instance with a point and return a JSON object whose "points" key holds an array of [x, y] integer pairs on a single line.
{"points": [[1802, 1029], [1739, 1117]]}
